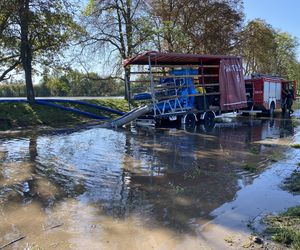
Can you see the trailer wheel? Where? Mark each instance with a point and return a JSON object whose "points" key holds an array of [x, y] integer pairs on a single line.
{"points": [[209, 118], [272, 109], [190, 120]]}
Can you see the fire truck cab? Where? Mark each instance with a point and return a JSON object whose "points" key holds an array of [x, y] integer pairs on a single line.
{"points": [[265, 94]]}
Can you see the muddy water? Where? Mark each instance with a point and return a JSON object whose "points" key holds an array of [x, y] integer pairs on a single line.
{"points": [[144, 189]]}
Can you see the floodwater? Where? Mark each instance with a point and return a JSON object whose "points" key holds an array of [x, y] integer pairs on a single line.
{"points": [[144, 189]]}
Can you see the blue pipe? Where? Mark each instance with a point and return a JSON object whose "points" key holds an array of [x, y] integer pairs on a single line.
{"points": [[45, 103], [114, 111], [12, 100]]}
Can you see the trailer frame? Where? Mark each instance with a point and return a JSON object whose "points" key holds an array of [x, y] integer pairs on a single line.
{"points": [[201, 70]]}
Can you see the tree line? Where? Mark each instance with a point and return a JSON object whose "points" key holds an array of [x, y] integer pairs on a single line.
{"points": [[61, 37], [71, 83]]}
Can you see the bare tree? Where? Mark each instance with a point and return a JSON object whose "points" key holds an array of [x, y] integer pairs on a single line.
{"points": [[116, 28]]}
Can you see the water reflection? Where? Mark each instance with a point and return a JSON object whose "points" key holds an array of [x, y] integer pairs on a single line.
{"points": [[169, 178]]}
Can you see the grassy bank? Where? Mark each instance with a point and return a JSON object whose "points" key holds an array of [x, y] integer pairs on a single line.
{"points": [[285, 227], [16, 115], [292, 183]]}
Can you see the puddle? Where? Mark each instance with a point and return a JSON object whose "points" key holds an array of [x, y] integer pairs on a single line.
{"points": [[144, 189]]}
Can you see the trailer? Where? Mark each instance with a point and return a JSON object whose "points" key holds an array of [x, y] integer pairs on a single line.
{"points": [[184, 88], [265, 94]]}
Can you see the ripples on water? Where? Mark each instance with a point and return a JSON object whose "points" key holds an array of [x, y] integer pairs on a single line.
{"points": [[168, 176]]}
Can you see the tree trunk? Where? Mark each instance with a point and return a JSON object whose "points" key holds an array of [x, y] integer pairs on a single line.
{"points": [[127, 84], [26, 51]]}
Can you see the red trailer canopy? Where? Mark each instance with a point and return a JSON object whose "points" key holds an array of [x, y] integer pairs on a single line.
{"points": [[232, 84], [159, 58]]}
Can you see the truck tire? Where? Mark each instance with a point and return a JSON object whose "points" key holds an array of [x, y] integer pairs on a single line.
{"points": [[190, 120]]}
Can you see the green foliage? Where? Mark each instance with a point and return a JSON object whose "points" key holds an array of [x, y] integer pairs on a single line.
{"points": [[116, 30], [74, 83], [196, 172], [71, 83], [50, 29], [285, 55], [57, 87], [89, 8], [284, 228], [18, 114], [257, 46], [119, 104], [267, 51], [209, 27], [292, 183], [12, 90], [250, 167]]}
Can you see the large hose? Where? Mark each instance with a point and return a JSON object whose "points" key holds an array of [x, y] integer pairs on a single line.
{"points": [[128, 117], [46, 103], [114, 111], [88, 114]]}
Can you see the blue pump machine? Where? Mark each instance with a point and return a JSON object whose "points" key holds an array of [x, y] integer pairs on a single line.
{"points": [[182, 90], [183, 87]]}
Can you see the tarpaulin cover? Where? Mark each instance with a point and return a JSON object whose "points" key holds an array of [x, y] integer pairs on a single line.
{"points": [[232, 84], [160, 58]]}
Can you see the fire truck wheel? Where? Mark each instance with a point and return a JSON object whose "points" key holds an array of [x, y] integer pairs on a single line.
{"points": [[272, 109]]}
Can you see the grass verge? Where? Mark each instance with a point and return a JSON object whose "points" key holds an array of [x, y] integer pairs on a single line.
{"points": [[251, 167], [292, 183], [14, 115], [285, 227]]}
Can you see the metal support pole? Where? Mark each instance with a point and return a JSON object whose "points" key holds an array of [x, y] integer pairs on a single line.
{"points": [[204, 91], [151, 83]]}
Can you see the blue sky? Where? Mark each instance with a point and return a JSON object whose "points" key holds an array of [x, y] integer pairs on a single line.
{"points": [[281, 14]]}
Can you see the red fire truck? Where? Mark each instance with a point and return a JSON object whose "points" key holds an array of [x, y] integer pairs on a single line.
{"points": [[266, 93]]}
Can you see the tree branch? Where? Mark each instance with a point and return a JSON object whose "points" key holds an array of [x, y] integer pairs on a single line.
{"points": [[12, 67]]}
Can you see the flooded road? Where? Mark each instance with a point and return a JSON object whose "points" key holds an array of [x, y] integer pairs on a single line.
{"points": [[144, 189]]}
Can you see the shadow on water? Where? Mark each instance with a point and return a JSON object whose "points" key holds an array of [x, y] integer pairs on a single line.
{"points": [[169, 178]]}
